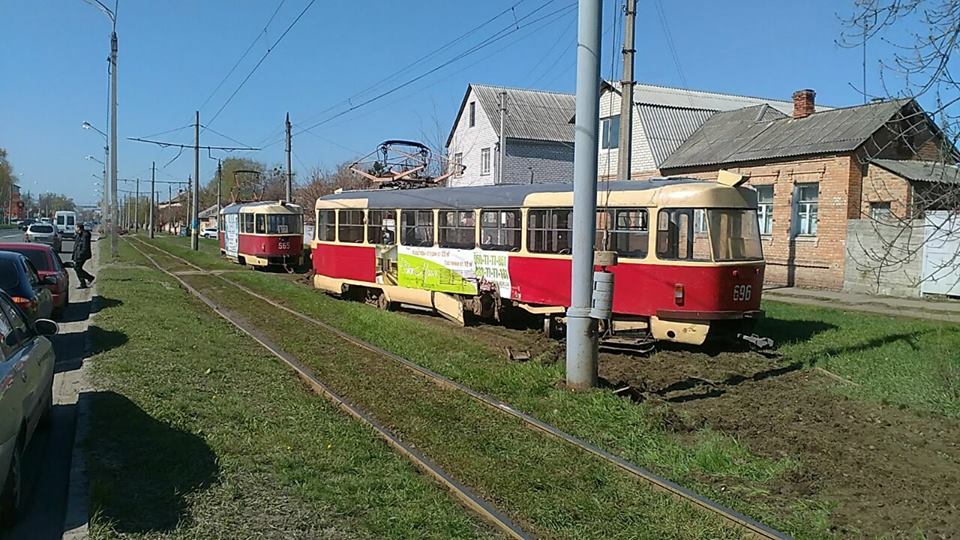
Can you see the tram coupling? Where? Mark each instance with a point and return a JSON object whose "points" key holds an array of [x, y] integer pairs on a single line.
{"points": [[758, 342]]}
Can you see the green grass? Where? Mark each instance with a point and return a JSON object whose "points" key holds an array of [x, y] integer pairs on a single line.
{"points": [[196, 432], [634, 431], [907, 362]]}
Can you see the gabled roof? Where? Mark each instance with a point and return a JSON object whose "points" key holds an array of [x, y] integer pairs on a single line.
{"points": [[531, 114], [699, 99], [751, 134], [667, 127], [921, 171]]}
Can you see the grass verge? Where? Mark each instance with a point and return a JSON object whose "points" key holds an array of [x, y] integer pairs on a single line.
{"points": [[197, 432]]}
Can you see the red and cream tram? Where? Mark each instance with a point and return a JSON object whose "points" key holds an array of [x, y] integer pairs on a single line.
{"points": [[688, 255], [262, 233]]}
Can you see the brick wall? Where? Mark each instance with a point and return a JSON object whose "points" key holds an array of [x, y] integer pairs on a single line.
{"points": [[817, 261], [549, 162], [881, 185], [883, 258]]}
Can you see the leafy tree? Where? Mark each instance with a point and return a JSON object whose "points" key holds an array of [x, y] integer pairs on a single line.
{"points": [[49, 203]]}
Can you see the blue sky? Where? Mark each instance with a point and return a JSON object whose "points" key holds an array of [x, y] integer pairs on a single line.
{"points": [[173, 53]]}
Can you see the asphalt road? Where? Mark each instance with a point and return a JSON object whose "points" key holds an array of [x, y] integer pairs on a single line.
{"points": [[48, 458]]}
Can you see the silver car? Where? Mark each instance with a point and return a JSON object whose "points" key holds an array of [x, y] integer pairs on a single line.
{"points": [[44, 233], [26, 396]]}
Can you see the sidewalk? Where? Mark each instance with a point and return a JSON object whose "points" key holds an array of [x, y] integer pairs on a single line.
{"points": [[930, 309]]}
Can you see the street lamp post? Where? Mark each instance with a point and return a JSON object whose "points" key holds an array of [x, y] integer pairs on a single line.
{"points": [[104, 201]]}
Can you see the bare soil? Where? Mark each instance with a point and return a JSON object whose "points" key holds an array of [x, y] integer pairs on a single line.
{"points": [[888, 470]]}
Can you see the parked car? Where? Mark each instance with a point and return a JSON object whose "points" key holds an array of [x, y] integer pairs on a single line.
{"points": [[26, 223], [45, 220], [48, 263], [26, 396], [209, 232], [29, 291], [66, 221], [44, 233]]}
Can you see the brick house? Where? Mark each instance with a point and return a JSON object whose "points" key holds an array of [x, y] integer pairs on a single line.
{"points": [[539, 137], [817, 175]]}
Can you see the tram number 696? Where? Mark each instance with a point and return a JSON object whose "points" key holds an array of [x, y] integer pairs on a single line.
{"points": [[741, 293]]}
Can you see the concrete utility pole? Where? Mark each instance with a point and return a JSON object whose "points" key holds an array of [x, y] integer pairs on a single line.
{"points": [[194, 203], [626, 95], [136, 208], [503, 135], [153, 193], [582, 351], [219, 187], [289, 167], [113, 140]]}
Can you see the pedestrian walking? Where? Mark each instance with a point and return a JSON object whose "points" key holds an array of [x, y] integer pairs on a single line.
{"points": [[81, 254]]}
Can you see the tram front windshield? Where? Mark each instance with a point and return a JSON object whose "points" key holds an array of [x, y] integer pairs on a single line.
{"points": [[284, 224], [734, 234]]}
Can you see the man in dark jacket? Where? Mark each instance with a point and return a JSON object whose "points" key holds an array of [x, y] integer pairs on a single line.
{"points": [[81, 254]]}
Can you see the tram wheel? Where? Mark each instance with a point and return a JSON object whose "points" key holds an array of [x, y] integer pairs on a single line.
{"points": [[385, 304]]}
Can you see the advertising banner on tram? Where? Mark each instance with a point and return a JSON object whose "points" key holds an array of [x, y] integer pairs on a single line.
{"points": [[231, 234], [459, 271]]}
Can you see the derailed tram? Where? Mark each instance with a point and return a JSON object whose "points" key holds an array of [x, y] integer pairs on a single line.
{"points": [[262, 233], [688, 260]]}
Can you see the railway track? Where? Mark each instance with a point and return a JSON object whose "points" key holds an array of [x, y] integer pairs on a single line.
{"points": [[749, 526]]}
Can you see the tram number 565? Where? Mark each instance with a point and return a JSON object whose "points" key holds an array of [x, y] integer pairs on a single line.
{"points": [[741, 293], [283, 245]]}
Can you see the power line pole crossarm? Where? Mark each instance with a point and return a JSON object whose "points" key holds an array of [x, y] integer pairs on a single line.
{"points": [[625, 148], [581, 358]]}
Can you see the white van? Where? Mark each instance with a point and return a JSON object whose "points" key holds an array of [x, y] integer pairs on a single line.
{"points": [[66, 221]]}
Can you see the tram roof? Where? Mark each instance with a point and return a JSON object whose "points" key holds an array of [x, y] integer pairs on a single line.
{"points": [[500, 196], [267, 207]]}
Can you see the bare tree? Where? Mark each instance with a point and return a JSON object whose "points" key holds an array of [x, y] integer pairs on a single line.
{"points": [[321, 182], [923, 37]]}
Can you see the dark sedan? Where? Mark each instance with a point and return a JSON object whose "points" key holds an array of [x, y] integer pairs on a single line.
{"points": [[29, 291], [48, 263], [23, 225]]}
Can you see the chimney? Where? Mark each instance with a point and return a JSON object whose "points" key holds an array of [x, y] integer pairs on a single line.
{"points": [[803, 103]]}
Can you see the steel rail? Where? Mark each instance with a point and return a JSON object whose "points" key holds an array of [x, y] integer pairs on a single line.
{"points": [[465, 495], [742, 521]]}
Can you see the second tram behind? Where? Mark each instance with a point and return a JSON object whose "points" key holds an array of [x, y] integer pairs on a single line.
{"points": [[688, 254], [262, 233]]}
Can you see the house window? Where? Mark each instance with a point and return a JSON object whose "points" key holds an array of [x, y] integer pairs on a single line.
{"points": [[500, 230], [382, 227], [765, 209], [458, 229], [417, 227], [351, 226], [484, 161], [326, 230], [473, 113], [610, 132], [880, 211], [457, 165], [806, 209], [549, 231]]}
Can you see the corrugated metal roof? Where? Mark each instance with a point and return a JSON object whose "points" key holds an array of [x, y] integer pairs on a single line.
{"points": [[698, 99], [531, 114], [667, 127], [738, 136], [921, 171]]}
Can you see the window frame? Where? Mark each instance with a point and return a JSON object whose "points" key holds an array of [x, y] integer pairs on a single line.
{"points": [[765, 209], [323, 226], [417, 224], [499, 228], [444, 229], [375, 228], [261, 223], [618, 230], [472, 114], [690, 235], [247, 225], [351, 226], [485, 164], [808, 208], [549, 234], [886, 206], [458, 164], [606, 131]]}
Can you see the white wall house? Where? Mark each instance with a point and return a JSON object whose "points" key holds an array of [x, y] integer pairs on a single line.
{"points": [[539, 137], [663, 118]]}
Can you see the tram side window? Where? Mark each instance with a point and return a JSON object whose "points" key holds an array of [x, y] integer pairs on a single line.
{"points": [[417, 227], [630, 235], [351, 226], [549, 231], [382, 227], [458, 229], [602, 240], [326, 225], [261, 224], [676, 238], [247, 223], [500, 230]]}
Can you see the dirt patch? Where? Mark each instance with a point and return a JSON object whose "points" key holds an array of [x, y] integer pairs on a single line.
{"points": [[889, 470]]}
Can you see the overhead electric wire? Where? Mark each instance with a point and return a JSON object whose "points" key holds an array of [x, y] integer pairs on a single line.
{"points": [[262, 58], [489, 41], [229, 138], [244, 55]]}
